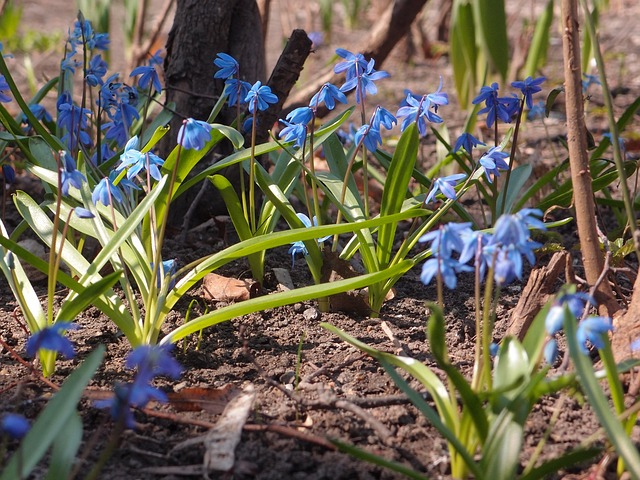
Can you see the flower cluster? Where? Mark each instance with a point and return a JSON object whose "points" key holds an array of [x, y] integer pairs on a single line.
{"points": [[149, 362], [501, 250], [590, 329], [238, 92]]}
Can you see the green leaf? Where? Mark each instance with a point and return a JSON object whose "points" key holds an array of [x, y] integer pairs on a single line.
{"points": [[362, 454], [519, 177], [511, 367], [472, 402], [616, 433], [53, 422], [560, 463], [110, 304], [236, 212], [395, 189], [464, 51], [242, 155], [71, 308], [537, 54], [501, 453], [63, 454], [491, 22], [21, 288], [279, 299]]}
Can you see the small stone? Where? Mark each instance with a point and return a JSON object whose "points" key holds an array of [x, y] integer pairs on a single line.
{"points": [[311, 313]]}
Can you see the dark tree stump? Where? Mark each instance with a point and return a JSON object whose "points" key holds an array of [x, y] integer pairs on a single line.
{"points": [[202, 29]]}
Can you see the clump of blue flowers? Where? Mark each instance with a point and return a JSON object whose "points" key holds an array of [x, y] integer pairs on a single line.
{"points": [[455, 244], [149, 362]]}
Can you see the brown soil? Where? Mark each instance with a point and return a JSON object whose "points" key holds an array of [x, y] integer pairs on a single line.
{"points": [[285, 432]]}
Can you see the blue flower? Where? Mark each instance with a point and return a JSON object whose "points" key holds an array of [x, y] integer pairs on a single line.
{"points": [[150, 362], [493, 162], [447, 239], [69, 64], [97, 69], [447, 267], [550, 351], [8, 173], [364, 82], [156, 58], [136, 161], [369, 136], [317, 38], [508, 263], [75, 120], [4, 88], [494, 105], [576, 302], [106, 192], [14, 425], [69, 174], [52, 338], [445, 186], [300, 115], [39, 112], [260, 96], [328, 94], [539, 110], [169, 268], [194, 134], [468, 142], [148, 76], [236, 91], [592, 329], [228, 66], [515, 228], [154, 360], [299, 246], [382, 117], [588, 81], [528, 87], [353, 66], [83, 213], [418, 109], [292, 131]]}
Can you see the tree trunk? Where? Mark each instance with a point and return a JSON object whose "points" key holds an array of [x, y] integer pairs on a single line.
{"points": [[202, 29], [592, 257]]}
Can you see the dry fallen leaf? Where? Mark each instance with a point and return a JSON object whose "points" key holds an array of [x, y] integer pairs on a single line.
{"points": [[225, 289], [212, 400]]}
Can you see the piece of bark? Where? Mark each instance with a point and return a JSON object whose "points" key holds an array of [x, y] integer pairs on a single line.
{"points": [[627, 327], [392, 25], [539, 288]]}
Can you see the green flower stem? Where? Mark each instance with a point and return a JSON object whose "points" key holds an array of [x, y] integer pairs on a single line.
{"points": [[512, 156], [343, 192], [314, 185], [477, 369], [487, 329], [252, 174]]}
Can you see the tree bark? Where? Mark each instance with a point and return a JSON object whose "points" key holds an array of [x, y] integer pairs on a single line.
{"points": [[201, 30], [592, 257], [392, 25]]}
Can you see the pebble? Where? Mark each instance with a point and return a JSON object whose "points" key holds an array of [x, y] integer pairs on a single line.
{"points": [[311, 313]]}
